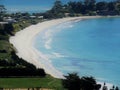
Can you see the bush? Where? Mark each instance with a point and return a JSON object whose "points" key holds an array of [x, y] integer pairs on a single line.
{"points": [[74, 82]]}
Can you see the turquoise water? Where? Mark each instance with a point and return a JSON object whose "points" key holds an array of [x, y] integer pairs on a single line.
{"points": [[89, 47]]}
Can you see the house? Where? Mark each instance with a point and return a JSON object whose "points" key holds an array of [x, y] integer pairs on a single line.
{"points": [[9, 20], [32, 17], [2, 23], [40, 17], [67, 14]]}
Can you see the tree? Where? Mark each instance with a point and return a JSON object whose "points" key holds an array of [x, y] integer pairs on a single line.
{"points": [[57, 9], [72, 82], [8, 28], [101, 6], [90, 5], [118, 1], [116, 88], [111, 6], [88, 83], [118, 7], [104, 87], [72, 7], [2, 11]]}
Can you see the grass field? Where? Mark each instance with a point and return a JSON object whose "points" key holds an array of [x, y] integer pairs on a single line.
{"points": [[48, 82]]}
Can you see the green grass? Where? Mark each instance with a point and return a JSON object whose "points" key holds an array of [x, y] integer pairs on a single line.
{"points": [[24, 23], [47, 82], [5, 45]]}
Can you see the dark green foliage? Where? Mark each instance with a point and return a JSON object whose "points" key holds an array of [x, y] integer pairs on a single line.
{"points": [[5, 63], [116, 88], [74, 82], [10, 64], [57, 6], [2, 9], [118, 7], [2, 12], [27, 65], [111, 6], [101, 6], [21, 72], [20, 61], [8, 28], [88, 83], [4, 37], [57, 10], [89, 5], [85, 7], [75, 7], [18, 67]]}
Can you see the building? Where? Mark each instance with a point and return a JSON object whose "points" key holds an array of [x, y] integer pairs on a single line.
{"points": [[9, 20]]}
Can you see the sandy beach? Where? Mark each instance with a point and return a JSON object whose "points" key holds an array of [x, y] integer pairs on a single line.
{"points": [[23, 41]]}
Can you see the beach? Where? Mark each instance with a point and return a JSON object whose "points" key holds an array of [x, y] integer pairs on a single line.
{"points": [[23, 41]]}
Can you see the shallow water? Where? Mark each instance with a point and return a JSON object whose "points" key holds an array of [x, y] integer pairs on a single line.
{"points": [[89, 47]]}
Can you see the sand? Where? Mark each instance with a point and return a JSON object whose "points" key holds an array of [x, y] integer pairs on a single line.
{"points": [[23, 41]]}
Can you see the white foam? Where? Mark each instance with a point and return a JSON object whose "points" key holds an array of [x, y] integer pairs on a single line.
{"points": [[23, 42], [48, 34], [48, 43], [58, 54]]}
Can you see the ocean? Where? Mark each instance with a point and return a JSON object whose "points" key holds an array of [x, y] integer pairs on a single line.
{"points": [[90, 47], [31, 6]]}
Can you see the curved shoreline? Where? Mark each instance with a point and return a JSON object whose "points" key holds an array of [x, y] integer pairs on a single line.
{"points": [[23, 42]]}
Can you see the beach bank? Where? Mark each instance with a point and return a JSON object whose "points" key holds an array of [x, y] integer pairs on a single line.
{"points": [[23, 41]]}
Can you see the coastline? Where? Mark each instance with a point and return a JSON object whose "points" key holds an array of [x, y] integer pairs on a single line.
{"points": [[23, 42]]}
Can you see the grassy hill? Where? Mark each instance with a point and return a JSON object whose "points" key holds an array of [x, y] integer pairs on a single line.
{"points": [[9, 62], [46, 82]]}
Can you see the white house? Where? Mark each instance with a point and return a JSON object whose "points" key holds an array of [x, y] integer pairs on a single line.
{"points": [[9, 20], [40, 17]]}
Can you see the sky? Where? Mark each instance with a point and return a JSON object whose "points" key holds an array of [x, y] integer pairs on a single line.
{"points": [[30, 5]]}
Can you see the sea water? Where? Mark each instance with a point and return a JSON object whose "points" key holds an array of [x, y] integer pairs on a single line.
{"points": [[90, 47], [32, 6]]}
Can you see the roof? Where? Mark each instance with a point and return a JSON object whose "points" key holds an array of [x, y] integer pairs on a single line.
{"points": [[3, 22]]}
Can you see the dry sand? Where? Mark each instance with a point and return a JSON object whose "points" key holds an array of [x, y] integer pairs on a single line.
{"points": [[23, 41]]}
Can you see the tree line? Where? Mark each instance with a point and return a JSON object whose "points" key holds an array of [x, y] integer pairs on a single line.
{"points": [[73, 82], [86, 7], [12, 65], [19, 67]]}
